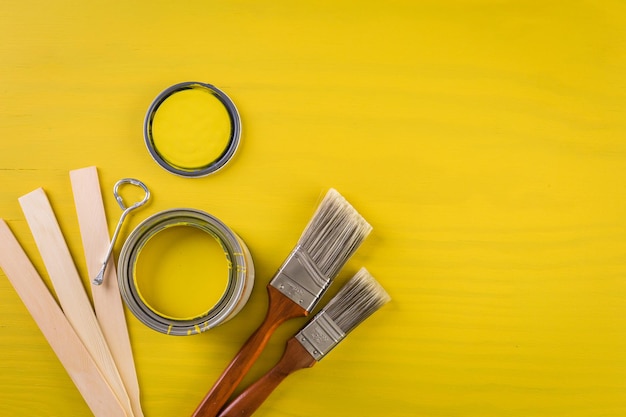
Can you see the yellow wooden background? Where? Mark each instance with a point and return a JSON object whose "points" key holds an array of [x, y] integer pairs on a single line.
{"points": [[485, 141]]}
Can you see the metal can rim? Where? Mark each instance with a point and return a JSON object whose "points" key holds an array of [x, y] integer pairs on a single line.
{"points": [[240, 280]]}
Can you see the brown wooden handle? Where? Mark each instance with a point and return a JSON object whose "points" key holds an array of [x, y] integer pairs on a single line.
{"points": [[295, 357], [280, 309]]}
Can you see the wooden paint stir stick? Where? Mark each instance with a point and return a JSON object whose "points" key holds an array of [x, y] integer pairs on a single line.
{"points": [[69, 288], [106, 297], [55, 327]]}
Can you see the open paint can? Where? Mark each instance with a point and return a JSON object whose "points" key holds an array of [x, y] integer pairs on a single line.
{"points": [[183, 271]]}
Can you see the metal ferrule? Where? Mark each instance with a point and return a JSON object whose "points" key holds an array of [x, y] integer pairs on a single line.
{"points": [[300, 279], [320, 336]]}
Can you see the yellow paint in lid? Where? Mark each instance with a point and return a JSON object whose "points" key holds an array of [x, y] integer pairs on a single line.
{"points": [[192, 129]]}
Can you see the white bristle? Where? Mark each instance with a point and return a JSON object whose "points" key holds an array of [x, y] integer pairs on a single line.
{"points": [[334, 233], [358, 299]]}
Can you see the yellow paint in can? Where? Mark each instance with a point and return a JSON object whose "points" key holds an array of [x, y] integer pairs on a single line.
{"points": [[181, 272]]}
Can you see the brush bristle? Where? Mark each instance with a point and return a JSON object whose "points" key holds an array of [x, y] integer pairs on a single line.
{"points": [[358, 299], [334, 233]]}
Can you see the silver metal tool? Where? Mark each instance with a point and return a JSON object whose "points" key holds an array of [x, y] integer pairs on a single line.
{"points": [[100, 277]]}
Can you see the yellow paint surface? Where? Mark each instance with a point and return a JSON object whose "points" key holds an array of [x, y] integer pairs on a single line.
{"points": [[181, 272], [191, 128], [484, 140]]}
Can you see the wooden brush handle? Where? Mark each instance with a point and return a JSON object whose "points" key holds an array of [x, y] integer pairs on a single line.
{"points": [[295, 357], [280, 309]]}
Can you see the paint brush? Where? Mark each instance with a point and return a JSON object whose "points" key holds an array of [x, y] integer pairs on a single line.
{"points": [[356, 301], [332, 235]]}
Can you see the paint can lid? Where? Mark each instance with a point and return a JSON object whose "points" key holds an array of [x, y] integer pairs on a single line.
{"points": [[192, 129]]}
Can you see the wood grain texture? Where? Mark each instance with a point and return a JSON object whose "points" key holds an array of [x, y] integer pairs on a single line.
{"points": [[106, 297], [482, 139], [69, 288], [280, 309], [55, 327]]}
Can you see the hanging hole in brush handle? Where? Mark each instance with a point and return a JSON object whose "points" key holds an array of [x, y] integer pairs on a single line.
{"points": [[126, 209]]}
